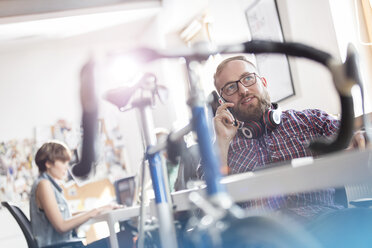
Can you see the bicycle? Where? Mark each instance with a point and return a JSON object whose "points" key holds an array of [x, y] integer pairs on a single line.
{"points": [[223, 218]]}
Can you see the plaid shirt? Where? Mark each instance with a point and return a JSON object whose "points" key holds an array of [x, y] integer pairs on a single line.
{"points": [[288, 141]]}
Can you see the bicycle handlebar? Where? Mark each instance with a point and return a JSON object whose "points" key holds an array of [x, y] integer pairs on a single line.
{"points": [[344, 75]]}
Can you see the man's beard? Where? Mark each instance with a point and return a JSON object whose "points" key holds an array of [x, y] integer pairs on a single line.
{"points": [[253, 113]]}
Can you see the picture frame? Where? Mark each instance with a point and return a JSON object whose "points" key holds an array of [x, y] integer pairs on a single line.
{"points": [[264, 24]]}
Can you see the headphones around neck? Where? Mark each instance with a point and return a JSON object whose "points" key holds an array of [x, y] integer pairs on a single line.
{"points": [[270, 120]]}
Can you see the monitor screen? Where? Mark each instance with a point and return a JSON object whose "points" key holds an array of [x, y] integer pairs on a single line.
{"points": [[124, 189]]}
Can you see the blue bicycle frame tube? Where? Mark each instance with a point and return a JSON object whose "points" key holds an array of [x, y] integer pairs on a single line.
{"points": [[211, 164], [157, 177], [167, 231]]}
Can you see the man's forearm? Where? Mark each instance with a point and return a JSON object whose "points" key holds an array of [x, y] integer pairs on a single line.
{"points": [[223, 147]]}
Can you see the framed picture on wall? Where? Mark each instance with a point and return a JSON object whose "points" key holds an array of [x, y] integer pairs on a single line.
{"points": [[264, 24]]}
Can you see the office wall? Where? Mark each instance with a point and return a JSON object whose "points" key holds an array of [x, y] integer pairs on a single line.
{"points": [[308, 22], [39, 84]]}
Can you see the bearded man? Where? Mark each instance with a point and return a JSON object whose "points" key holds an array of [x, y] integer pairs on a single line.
{"points": [[266, 135]]}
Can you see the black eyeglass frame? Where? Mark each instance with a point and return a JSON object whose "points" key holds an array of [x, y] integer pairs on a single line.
{"points": [[240, 81]]}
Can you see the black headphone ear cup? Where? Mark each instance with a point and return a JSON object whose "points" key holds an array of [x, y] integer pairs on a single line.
{"points": [[252, 130], [272, 118], [266, 118]]}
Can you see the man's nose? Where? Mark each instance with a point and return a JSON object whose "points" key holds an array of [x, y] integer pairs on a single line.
{"points": [[242, 90]]}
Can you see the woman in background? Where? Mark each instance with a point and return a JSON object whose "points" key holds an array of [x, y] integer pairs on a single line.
{"points": [[51, 220]]}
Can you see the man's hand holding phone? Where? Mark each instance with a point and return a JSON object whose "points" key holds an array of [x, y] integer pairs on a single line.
{"points": [[229, 109], [224, 123], [225, 129]]}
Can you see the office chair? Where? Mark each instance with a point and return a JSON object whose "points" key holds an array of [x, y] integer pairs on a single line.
{"points": [[25, 225]]}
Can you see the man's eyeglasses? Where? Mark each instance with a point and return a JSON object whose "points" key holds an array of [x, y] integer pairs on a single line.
{"points": [[247, 80]]}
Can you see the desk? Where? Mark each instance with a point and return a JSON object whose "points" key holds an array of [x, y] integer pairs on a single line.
{"points": [[337, 169], [113, 216]]}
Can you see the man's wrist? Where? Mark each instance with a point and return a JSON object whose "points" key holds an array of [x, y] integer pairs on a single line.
{"points": [[223, 142], [223, 150]]}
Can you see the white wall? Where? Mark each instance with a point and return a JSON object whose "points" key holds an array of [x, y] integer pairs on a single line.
{"points": [[308, 22], [39, 83], [40, 80]]}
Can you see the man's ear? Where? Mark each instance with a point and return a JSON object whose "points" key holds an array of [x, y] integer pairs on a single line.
{"points": [[264, 82]]}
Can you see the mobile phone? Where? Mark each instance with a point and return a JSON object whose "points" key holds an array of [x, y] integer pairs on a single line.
{"points": [[221, 100]]}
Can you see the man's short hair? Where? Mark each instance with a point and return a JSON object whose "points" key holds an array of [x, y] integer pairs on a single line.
{"points": [[51, 152], [224, 62]]}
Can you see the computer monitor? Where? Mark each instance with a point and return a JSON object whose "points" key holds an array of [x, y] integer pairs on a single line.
{"points": [[124, 190]]}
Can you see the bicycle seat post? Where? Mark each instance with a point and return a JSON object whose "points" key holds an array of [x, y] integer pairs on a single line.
{"points": [[164, 214]]}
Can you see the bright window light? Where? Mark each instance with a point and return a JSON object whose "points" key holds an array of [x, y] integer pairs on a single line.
{"points": [[345, 23], [71, 25], [123, 70], [117, 72], [355, 92]]}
